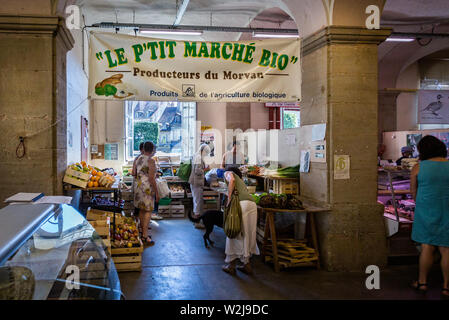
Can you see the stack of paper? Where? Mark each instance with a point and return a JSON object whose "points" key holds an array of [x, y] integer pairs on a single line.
{"points": [[24, 197]]}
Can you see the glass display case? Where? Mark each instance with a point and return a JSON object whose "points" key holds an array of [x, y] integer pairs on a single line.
{"points": [[52, 252]]}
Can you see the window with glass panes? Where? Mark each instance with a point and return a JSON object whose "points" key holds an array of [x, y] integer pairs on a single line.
{"points": [[170, 125]]}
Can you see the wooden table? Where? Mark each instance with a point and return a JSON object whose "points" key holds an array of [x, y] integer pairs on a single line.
{"points": [[270, 231]]}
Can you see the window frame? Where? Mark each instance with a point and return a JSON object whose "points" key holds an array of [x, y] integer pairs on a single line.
{"points": [[187, 148]]}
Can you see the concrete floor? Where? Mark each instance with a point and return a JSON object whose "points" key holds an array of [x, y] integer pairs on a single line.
{"points": [[179, 267]]}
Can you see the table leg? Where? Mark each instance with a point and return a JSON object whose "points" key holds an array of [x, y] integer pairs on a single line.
{"points": [[265, 234], [314, 237], [274, 246]]}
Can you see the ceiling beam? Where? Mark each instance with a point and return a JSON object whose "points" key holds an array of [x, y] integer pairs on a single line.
{"points": [[181, 10]]}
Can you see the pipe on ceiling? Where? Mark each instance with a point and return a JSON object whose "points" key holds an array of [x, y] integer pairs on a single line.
{"points": [[108, 25]]}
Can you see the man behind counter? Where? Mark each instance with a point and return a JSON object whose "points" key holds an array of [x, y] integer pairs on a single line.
{"points": [[407, 152]]}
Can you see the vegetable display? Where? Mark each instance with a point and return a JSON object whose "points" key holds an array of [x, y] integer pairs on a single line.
{"points": [[279, 201], [126, 235], [287, 172]]}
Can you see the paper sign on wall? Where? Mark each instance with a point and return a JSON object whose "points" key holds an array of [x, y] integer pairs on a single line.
{"points": [[341, 167], [111, 151], [318, 153], [304, 165]]}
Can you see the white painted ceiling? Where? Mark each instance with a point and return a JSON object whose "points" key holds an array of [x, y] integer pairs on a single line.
{"points": [[232, 13], [403, 15]]}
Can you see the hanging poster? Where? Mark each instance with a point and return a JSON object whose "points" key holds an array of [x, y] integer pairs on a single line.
{"points": [[412, 141], [433, 107], [142, 68]]}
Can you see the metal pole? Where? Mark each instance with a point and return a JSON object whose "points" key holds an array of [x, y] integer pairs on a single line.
{"points": [[109, 25]]}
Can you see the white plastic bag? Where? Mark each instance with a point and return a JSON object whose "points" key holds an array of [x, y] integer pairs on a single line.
{"points": [[162, 188]]}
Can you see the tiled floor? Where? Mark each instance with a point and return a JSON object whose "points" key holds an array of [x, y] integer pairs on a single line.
{"points": [[180, 267]]}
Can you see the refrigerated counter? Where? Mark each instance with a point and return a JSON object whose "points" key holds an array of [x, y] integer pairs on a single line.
{"points": [[51, 252]]}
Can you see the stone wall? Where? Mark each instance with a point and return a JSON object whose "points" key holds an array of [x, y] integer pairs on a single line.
{"points": [[32, 98], [77, 102]]}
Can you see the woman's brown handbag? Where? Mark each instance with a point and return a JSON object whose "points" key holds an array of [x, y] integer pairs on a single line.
{"points": [[233, 217]]}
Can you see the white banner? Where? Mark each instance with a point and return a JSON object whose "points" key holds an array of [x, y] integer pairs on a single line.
{"points": [[141, 68], [433, 107]]}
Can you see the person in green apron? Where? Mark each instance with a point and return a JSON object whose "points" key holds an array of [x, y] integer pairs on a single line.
{"points": [[243, 246]]}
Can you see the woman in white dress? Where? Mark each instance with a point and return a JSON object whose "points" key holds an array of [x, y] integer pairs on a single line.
{"points": [[196, 179], [245, 245]]}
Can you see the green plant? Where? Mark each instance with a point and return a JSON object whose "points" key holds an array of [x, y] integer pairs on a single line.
{"points": [[289, 120], [145, 131]]}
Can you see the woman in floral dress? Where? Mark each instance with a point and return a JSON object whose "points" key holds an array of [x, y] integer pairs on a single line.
{"points": [[146, 189]]}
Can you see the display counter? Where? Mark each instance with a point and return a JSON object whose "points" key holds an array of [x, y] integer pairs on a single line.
{"points": [[50, 252], [394, 193]]}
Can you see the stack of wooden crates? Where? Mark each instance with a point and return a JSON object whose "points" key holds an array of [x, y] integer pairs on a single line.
{"points": [[125, 259], [287, 186], [100, 221]]}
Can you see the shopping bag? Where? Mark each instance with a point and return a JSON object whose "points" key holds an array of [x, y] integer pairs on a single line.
{"points": [[162, 188], [185, 168], [233, 217]]}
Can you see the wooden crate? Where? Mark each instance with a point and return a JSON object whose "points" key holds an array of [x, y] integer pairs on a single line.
{"points": [[77, 174], [75, 182], [76, 178], [102, 228], [95, 214], [285, 186], [128, 259]]}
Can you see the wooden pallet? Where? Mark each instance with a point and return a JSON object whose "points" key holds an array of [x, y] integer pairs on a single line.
{"points": [[128, 259], [292, 253]]}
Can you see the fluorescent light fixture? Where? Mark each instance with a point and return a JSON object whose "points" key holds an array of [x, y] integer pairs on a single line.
{"points": [[390, 39], [275, 35], [172, 32]]}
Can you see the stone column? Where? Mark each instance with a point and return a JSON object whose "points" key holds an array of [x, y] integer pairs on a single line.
{"points": [[340, 88], [387, 111], [33, 103]]}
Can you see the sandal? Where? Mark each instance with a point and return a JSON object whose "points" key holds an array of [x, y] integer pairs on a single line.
{"points": [[417, 286], [246, 269], [229, 269], [148, 241]]}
